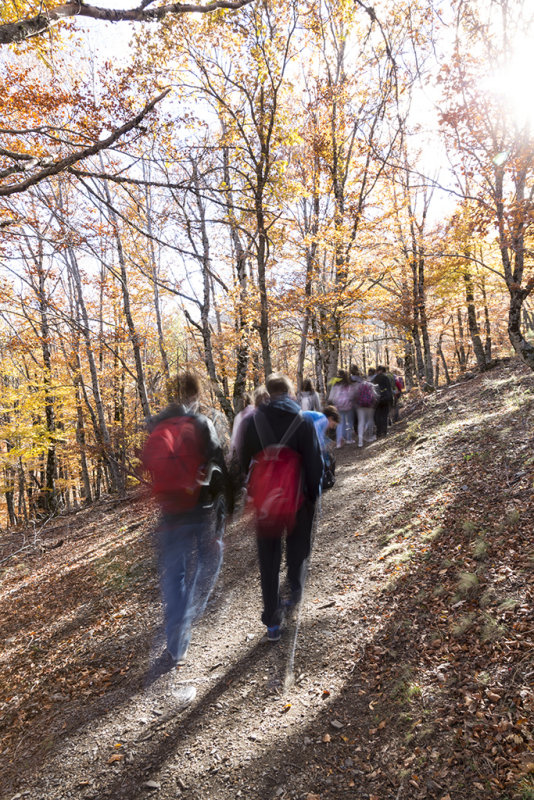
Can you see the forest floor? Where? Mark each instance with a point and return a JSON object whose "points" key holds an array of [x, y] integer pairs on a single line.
{"points": [[414, 649]]}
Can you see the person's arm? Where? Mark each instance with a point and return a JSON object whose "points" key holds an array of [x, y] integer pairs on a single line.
{"points": [[221, 481], [250, 444], [312, 459]]}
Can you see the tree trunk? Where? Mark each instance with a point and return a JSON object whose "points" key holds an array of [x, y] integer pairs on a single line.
{"points": [[134, 337], [154, 274], [487, 323], [443, 360], [459, 342], [205, 306], [474, 330], [522, 347], [99, 419]]}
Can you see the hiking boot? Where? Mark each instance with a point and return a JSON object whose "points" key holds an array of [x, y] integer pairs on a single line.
{"points": [[184, 695], [273, 633]]}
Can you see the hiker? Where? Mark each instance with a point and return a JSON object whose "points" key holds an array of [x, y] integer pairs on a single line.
{"points": [[238, 426], [365, 399], [342, 397], [194, 405], [190, 482], [261, 396], [383, 402], [355, 378], [392, 385], [308, 399], [325, 424], [355, 374], [399, 389], [283, 491]]}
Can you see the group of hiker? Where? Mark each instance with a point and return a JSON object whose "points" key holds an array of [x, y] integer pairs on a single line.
{"points": [[280, 454], [365, 403]]}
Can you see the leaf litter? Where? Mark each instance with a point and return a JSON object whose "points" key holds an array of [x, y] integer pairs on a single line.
{"points": [[421, 626]]}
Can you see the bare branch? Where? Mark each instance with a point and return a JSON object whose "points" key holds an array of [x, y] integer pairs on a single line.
{"points": [[13, 32], [63, 163]]}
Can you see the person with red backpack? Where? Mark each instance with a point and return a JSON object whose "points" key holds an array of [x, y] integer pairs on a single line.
{"points": [[282, 456], [189, 481]]}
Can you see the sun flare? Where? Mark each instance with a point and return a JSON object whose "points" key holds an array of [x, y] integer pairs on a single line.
{"points": [[512, 83]]}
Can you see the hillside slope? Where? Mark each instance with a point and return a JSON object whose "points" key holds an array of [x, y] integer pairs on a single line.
{"points": [[408, 674]]}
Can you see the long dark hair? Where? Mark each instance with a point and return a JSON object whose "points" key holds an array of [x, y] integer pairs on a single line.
{"points": [[307, 386]]}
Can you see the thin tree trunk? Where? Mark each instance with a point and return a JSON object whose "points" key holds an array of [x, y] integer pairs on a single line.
{"points": [[134, 336], [154, 274], [99, 420], [443, 359], [474, 331], [487, 323]]}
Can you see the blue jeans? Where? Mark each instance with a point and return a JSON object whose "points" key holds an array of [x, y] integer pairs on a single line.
{"points": [[345, 429], [190, 558]]}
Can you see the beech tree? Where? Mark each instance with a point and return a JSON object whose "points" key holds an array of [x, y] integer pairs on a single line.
{"points": [[492, 139]]}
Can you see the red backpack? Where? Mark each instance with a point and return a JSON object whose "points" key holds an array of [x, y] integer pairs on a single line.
{"points": [[174, 456], [275, 479]]}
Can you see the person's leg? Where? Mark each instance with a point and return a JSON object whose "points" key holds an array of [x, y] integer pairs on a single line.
{"points": [[176, 546], [381, 419], [298, 546], [350, 426], [369, 425], [340, 430], [209, 553], [361, 424], [270, 556]]}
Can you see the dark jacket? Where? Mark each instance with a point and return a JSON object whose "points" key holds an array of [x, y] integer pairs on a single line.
{"points": [[212, 452], [385, 395], [280, 413]]}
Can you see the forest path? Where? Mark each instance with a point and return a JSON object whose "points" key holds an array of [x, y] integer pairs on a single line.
{"points": [[412, 655]]}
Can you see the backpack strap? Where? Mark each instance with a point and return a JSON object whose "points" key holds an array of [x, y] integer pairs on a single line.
{"points": [[292, 428], [265, 432]]}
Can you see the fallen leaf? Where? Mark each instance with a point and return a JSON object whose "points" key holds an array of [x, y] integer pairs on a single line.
{"points": [[116, 757]]}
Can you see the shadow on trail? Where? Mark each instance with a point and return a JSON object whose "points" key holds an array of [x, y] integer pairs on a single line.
{"points": [[130, 662], [444, 668]]}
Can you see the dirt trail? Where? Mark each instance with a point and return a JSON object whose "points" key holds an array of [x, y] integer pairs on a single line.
{"points": [[92, 716]]}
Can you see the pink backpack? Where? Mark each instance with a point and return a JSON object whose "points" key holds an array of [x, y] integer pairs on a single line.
{"points": [[366, 395]]}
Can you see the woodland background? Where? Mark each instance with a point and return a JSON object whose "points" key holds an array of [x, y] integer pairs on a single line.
{"points": [[263, 185]]}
